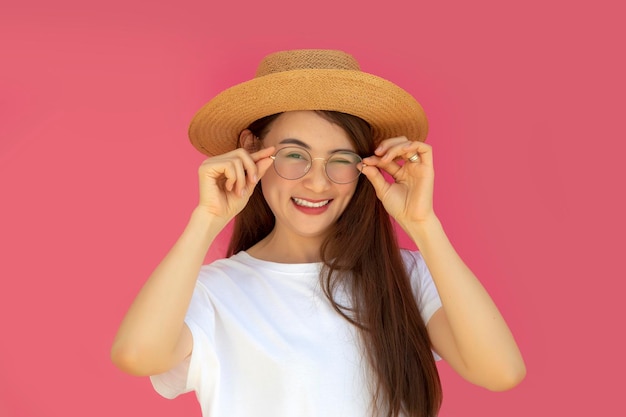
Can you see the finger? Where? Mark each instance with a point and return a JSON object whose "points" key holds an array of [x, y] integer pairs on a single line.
{"points": [[388, 165], [230, 176], [233, 171], [385, 145], [262, 166], [256, 164], [240, 176], [249, 165], [396, 150], [250, 169], [422, 150], [263, 160], [410, 153], [263, 153], [377, 179]]}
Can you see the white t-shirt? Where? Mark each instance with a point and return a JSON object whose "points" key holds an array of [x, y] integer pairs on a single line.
{"points": [[267, 342]]}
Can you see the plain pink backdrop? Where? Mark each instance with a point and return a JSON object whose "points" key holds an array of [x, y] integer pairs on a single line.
{"points": [[97, 177]]}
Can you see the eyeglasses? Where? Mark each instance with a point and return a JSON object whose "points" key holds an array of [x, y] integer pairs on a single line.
{"points": [[292, 163]]}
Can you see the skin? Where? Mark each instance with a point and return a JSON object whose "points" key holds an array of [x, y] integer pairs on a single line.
{"points": [[297, 236], [468, 332]]}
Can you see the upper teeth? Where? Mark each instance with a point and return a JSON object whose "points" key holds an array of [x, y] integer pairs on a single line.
{"points": [[306, 203]]}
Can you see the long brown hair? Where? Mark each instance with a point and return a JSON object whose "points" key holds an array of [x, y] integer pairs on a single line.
{"points": [[383, 305]]}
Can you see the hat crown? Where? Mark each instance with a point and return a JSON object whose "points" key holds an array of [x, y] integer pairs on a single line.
{"points": [[306, 59]]}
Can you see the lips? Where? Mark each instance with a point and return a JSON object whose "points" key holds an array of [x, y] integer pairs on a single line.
{"points": [[310, 204]]}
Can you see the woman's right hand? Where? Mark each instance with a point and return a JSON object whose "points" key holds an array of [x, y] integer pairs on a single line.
{"points": [[153, 338], [227, 180]]}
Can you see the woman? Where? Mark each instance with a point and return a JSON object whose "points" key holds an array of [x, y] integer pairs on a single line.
{"points": [[315, 311]]}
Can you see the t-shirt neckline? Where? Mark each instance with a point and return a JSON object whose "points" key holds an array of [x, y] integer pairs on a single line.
{"points": [[311, 267]]}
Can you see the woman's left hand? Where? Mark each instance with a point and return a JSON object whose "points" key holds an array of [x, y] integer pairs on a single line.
{"points": [[409, 198]]}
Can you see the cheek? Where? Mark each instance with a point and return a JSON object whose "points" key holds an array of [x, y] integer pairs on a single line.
{"points": [[270, 180], [348, 195], [352, 189], [272, 186]]}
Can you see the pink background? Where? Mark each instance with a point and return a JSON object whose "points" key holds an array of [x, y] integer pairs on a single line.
{"points": [[97, 178]]}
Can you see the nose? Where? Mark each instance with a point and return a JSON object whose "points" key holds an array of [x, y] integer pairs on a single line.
{"points": [[316, 178]]}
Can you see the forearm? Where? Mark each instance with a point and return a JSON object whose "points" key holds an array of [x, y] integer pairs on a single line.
{"points": [[481, 335], [151, 329]]}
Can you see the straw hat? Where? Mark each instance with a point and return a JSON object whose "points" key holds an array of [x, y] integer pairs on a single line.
{"points": [[308, 79]]}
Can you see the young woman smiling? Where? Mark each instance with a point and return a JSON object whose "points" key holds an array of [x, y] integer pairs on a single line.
{"points": [[315, 310]]}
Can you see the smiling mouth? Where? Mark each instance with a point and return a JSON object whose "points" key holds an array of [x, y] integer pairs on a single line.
{"points": [[305, 203]]}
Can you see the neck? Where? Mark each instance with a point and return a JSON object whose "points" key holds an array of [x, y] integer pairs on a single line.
{"points": [[287, 249]]}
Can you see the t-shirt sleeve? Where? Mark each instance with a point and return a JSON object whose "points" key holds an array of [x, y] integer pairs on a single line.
{"points": [[188, 375], [424, 288]]}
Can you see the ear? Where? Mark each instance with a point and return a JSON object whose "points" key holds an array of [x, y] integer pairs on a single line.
{"points": [[248, 141]]}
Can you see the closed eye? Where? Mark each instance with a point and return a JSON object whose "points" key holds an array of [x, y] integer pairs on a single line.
{"points": [[341, 161], [294, 155], [345, 158]]}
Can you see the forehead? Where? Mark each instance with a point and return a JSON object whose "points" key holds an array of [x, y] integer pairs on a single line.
{"points": [[309, 128]]}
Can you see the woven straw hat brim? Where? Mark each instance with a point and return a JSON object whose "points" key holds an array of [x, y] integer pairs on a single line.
{"points": [[389, 109]]}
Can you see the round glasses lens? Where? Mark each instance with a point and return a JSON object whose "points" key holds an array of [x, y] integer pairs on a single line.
{"points": [[292, 163], [343, 167]]}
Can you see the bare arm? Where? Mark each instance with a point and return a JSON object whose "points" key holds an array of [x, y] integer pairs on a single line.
{"points": [[468, 332], [153, 337]]}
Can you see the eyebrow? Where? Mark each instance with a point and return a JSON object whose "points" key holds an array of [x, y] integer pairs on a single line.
{"points": [[298, 142]]}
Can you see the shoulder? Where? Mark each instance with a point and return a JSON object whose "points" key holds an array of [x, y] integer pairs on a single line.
{"points": [[232, 266], [422, 284], [413, 261], [419, 275], [221, 277]]}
